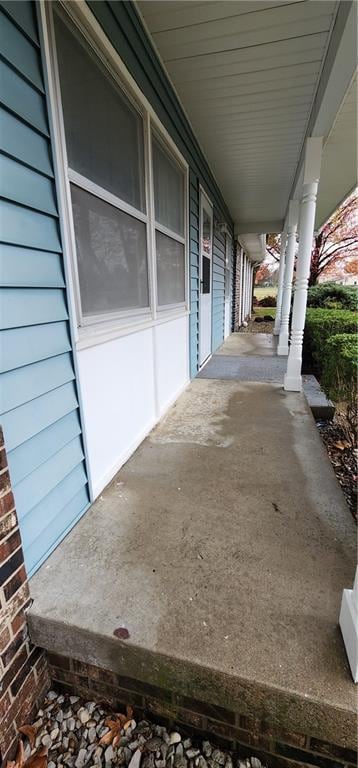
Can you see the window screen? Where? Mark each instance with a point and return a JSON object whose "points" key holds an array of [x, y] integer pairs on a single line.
{"points": [[104, 132], [206, 275], [111, 255], [170, 270], [168, 190]]}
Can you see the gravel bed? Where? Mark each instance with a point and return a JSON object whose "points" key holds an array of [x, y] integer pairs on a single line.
{"points": [[69, 732]]}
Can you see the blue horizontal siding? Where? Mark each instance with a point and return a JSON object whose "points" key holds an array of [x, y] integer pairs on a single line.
{"points": [[21, 142], [23, 14], [34, 452], [26, 186], [43, 479], [20, 226], [19, 51], [22, 346], [50, 508], [29, 419], [20, 97], [29, 382], [29, 306], [61, 523], [38, 404], [218, 290], [27, 267]]}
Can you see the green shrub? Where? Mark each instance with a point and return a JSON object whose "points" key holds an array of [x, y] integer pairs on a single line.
{"points": [[268, 301], [333, 296], [321, 324], [340, 368]]}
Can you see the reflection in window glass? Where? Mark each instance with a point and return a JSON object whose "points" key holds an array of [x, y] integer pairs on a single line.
{"points": [[111, 255], [170, 270], [168, 190], [104, 132], [206, 232]]}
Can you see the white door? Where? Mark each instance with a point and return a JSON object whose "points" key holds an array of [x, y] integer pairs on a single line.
{"points": [[206, 253], [228, 255]]}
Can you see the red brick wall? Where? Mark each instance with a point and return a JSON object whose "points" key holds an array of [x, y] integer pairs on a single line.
{"points": [[23, 668]]}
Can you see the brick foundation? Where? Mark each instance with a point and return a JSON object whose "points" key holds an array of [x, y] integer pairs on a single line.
{"points": [[231, 730], [23, 668]]}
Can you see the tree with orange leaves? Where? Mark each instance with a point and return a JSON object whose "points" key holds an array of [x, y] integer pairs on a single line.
{"points": [[334, 246], [337, 240]]}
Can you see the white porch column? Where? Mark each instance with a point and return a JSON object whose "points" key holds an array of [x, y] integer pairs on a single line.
{"points": [[282, 348], [245, 287], [252, 285], [281, 272], [250, 289], [293, 379], [348, 622], [242, 287]]}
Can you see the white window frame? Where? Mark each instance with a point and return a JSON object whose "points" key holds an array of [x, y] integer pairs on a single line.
{"points": [[98, 328], [155, 135], [203, 196]]}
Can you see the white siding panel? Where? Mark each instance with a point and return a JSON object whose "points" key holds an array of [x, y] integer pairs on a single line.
{"points": [[118, 398], [172, 359], [126, 385]]}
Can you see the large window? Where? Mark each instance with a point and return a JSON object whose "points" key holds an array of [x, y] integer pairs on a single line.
{"points": [[111, 255], [104, 132], [169, 225], [129, 224]]}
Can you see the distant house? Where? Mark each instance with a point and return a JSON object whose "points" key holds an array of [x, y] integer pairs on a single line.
{"points": [[342, 280]]}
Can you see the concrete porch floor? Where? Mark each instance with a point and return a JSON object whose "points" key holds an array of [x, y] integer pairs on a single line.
{"points": [[222, 546]]}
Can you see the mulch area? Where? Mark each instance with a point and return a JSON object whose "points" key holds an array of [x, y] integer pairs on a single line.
{"points": [[253, 327], [343, 459]]}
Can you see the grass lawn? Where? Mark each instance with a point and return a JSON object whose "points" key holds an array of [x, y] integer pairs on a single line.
{"points": [[261, 311], [261, 292]]}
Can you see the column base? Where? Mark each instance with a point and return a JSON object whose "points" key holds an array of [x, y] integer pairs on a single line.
{"points": [[348, 622], [292, 383], [276, 332], [282, 349]]}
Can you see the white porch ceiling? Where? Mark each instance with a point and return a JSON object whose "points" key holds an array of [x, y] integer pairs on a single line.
{"points": [[247, 74], [339, 160]]}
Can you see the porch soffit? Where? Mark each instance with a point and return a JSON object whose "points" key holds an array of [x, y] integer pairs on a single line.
{"points": [[247, 74]]}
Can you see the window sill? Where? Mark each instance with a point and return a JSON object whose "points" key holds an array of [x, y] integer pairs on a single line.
{"points": [[94, 335]]}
